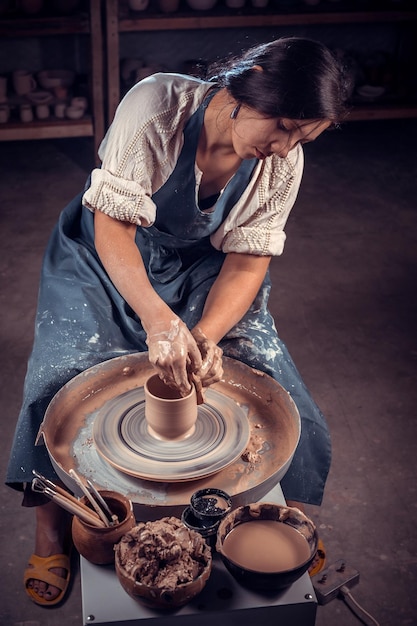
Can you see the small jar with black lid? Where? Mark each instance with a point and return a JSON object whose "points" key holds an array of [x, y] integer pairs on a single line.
{"points": [[207, 508]]}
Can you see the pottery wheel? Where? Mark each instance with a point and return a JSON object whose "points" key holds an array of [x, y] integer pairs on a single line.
{"points": [[121, 436], [251, 398]]}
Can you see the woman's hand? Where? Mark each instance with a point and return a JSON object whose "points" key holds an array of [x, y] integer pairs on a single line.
{"points": [[172, 349], [211, 370], [174, 353]]}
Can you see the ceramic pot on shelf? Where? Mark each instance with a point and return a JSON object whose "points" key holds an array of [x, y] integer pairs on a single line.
{"points": [[201, 5], [259, 4], [42, 111], [235, 4], [4, 113], [3, 89], [23, 82], [138, 5], [168, 6], [26, 113]]}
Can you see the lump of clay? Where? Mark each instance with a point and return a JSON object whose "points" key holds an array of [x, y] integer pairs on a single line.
{"points": [[163, 554]]}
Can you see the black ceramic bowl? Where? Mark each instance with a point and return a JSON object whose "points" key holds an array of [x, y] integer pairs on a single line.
{"points": [[299, 529], [210, 504], [206, 528]]}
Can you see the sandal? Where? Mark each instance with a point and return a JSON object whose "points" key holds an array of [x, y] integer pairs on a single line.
{"points": [[319, 560], [39, 569]]}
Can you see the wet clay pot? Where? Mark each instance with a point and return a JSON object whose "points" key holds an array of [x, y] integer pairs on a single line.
{"points": [[169, 416], [97, 544]]}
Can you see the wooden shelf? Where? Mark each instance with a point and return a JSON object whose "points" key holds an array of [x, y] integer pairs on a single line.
{"points": [[45, 26], [381, 111], [49, 129], [119, 19], [82, 23], [195, 20]]}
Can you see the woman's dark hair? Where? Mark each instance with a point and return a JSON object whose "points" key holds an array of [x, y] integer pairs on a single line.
{"points": [[300, 79]]}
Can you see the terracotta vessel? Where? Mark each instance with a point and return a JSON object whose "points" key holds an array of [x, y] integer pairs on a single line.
{"points": [[97, 544], [169, 416]]}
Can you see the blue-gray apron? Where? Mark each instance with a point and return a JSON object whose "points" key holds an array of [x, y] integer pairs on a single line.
{"points": [[82, 320]]}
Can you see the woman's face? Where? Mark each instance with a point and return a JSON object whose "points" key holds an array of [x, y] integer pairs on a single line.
{"points": [[254, 135]]}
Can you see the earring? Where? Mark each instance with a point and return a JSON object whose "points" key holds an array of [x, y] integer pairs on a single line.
{"points": [[235, 111]]}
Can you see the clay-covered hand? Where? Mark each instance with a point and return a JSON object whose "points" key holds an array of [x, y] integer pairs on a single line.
{"points": [[172, 350], [211, 370]]}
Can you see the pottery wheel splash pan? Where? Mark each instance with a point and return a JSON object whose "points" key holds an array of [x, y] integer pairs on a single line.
{"points": [[121, 436], [270, 413]]}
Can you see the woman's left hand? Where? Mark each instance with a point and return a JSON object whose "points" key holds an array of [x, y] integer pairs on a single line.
{"points": [[211, 370]]}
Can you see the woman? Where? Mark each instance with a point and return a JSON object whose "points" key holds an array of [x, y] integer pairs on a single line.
{"points": [[168, 248]]}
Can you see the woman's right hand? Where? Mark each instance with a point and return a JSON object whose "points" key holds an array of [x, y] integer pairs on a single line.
{"points": [[172, 348], [173, 351]]}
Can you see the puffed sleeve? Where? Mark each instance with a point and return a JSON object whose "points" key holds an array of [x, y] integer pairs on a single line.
{"points": [[256, 223], [141, 147], [122, 186]]}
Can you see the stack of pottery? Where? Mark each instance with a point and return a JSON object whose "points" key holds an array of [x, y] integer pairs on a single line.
{"points": [[76, 108], [207, 508]]}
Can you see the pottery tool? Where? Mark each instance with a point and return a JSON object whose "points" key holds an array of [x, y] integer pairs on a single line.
{"points": [[66, 504], [196, 381], [89, 497], [113, 519], [40, 484]]}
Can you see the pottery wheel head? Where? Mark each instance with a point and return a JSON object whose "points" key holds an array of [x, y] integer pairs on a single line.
{"points": [[121, 435]]}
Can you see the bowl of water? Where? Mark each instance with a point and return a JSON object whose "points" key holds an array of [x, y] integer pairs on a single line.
{"points": [[266, 546]]}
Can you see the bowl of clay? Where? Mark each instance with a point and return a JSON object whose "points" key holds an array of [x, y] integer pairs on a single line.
{"points": [[162, 563], [266, 546]]}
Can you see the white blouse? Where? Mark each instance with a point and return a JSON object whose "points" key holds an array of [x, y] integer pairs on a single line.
{"points": [[140, 151]]}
